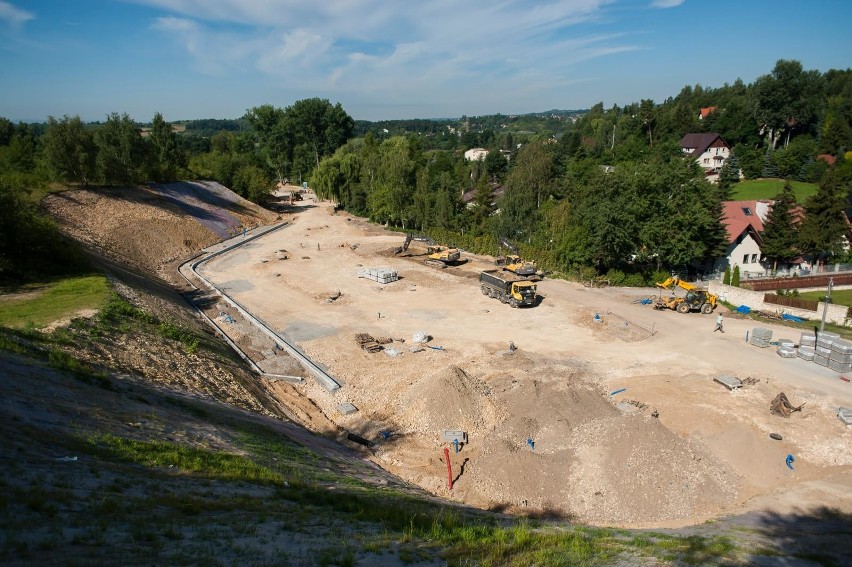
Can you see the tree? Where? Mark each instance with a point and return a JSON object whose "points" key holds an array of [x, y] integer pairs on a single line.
{"points": [[252, 183], [20, 154], [735, 276], [646, 115], [787, 99], [729, 175], [319, 126], [481, 206], [7, 130], [726, 279], [121, 151], [70, 150], [496, 165], [835, 135], [271, 138], [165, 156], [779, 232], [822, 230]]}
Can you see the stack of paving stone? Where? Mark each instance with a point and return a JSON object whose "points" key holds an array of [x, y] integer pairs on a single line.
{"points": [[381, 275], [786, 351], [822, 352], [760, 337], [840, 359], [807, 346], [786, 348]]}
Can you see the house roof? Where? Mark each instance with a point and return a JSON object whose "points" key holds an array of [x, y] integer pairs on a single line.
{"points": [[699, 142], [737, 219], [705, 112], [827, 158], [496, 192]]}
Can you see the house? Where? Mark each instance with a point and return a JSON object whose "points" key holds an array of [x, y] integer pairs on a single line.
{"points": [[705, 112], [709, 150], [497, 191], [475, 154], [744, 223]]}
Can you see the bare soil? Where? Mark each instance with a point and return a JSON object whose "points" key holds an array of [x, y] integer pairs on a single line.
{"points": [[598, 457]]}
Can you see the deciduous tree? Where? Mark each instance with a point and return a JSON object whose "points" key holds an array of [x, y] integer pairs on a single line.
{"points": [[70, 150]]}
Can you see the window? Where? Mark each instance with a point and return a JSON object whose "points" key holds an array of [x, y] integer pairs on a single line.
{"points": [[754, 258], [745, 259], [747, 212], [706, 160]]}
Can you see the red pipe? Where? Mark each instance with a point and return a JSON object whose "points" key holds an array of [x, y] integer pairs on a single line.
{"points": [[449, 468]]}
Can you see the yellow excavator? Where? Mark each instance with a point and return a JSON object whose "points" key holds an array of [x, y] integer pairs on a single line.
{"points": [[696, 299], [437, 256], [512, 262]]}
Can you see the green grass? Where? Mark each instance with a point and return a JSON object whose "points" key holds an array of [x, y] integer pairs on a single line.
{"points": [[214, 464], [753, 189], [838, 297], [51, 302]]}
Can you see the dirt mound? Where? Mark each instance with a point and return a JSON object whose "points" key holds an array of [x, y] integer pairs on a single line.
{"points": [[448, 399]]}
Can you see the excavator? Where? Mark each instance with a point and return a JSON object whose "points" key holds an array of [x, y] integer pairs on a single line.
{"points": [[438, 256], [512, 262], [696, 299]]}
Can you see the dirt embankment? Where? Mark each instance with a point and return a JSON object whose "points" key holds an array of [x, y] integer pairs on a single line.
{"points": [[153, 227]]}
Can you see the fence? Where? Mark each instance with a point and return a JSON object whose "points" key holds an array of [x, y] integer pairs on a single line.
{"points": [[796, 302], [802, 282]]}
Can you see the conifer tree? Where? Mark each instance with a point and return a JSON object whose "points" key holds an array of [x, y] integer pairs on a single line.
{"points": [[779, 232]]}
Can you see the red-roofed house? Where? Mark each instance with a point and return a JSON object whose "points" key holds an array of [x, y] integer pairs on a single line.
{"points": [[709, 150], [705, 112], [744, 222]]}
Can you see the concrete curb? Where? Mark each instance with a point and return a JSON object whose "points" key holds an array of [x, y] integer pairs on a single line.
{"points": [[321, 375]]}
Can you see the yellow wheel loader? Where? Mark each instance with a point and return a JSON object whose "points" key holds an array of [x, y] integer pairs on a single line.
{"points": [[696, 299]]}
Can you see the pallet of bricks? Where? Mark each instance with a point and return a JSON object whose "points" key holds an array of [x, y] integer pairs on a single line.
{"points": [[827, 349]]}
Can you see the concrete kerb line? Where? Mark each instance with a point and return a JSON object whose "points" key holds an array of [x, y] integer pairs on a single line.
{"points": [[233, 345], [323, 377]]}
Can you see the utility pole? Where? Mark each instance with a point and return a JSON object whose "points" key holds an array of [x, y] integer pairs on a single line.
{"points": [[825, 307]]}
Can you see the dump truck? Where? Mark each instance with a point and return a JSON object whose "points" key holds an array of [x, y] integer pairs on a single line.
{"points": [[507, 287]]}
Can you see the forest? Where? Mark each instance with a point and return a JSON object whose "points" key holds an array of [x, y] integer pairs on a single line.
{"points": [[603, 191]]}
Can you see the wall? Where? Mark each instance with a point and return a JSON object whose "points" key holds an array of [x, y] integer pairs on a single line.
{"points": [[754, 299], [734, 257]]}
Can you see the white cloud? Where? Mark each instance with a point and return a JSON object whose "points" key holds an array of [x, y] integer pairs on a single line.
{"points": [[439, 49], [666, 3], [214, 52], [14, 17]]}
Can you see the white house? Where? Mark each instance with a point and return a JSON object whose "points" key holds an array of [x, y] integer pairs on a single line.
{"points": [[475, 154], [709, 150], [744, 223]]}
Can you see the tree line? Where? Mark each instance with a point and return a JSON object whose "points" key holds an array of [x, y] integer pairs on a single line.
{"points": [[608, 191]]}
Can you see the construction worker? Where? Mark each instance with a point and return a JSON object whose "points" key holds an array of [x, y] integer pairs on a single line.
{"points": [[719, 322]]}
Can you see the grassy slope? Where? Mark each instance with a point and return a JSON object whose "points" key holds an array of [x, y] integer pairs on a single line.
{"points": [[39, 305], [768, 188]]}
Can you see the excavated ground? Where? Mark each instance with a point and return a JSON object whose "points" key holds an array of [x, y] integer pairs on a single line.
{"points": [[598, 458]]}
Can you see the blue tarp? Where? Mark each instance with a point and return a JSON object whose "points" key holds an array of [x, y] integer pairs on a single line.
{"points": [[793, 318], [744, 309]]}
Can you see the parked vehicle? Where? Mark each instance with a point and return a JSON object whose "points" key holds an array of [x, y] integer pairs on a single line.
{"points": [[508, 287]]}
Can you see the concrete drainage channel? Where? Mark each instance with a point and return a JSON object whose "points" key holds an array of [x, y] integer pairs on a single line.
{"points": [[321, 375]]}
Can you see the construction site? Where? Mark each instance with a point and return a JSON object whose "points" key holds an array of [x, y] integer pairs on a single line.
{"points": [[550, 397]]}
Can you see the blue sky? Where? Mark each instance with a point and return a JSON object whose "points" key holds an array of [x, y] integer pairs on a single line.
{"points": [[389, 59]]}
